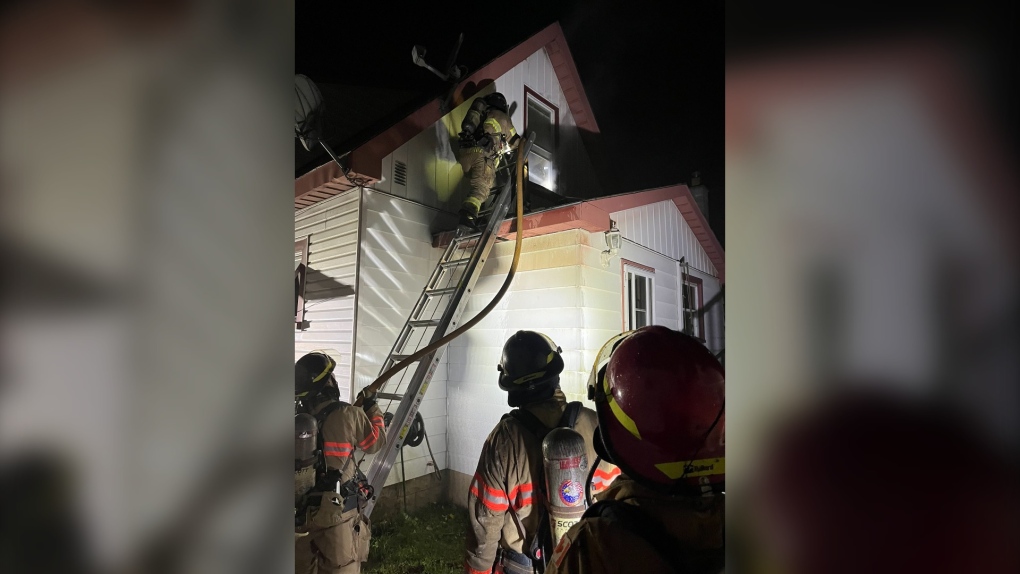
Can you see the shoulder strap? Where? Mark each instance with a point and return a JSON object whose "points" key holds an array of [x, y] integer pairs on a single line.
{"points": [[530, 422], [569, 418]]}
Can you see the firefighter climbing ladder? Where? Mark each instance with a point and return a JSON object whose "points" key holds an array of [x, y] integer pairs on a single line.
{"points": [[436, 313]]}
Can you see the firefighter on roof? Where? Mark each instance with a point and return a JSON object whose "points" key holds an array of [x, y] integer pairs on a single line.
{"points": [[486, 133], [509, 527], [660, 401], [331, 535]]}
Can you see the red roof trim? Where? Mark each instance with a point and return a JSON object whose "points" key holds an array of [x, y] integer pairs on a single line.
{"points": [[367, 159], [322, 183], [593, 216], [681, 196]]}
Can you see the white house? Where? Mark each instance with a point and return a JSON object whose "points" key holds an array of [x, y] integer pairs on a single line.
{"points": [[370, 248]]}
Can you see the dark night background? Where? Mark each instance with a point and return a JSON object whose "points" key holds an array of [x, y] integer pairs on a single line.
{"points": [[653, 72]]}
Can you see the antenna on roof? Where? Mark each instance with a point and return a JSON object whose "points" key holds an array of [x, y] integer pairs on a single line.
{"points": [[308, 115], [451, 73]]}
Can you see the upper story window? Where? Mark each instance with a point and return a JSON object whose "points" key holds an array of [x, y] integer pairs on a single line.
{"points": [[543, 118]]}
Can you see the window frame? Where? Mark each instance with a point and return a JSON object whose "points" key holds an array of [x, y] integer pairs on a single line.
{"points": [[697, 284], [648, 273], [529, 94], [300, 272]]}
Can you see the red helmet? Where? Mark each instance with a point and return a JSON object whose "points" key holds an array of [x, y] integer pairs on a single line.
{"points": [[660, 397]]}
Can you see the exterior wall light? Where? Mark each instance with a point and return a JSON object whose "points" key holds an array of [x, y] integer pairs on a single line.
{"points": [[613, 239]]}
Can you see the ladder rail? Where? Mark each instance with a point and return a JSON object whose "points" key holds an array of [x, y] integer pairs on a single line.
{"points": [[414, 394]]}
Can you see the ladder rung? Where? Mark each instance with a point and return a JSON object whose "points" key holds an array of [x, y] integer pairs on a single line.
{"points": [[441, 292], [390, 396], [424, 323], [455, 262], [469, 237]]}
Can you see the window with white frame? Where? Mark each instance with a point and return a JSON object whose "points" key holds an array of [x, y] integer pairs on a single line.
{"points": [[691, 301], [638, 296], [300, 267], [542, 118]]}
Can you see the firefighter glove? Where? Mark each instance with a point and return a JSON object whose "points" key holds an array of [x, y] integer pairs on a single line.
{"points": [[367, 400]]}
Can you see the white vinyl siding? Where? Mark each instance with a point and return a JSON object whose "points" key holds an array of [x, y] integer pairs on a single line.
{"points": [[561, 290], [397, 259], [661, 228], [332, 231]]}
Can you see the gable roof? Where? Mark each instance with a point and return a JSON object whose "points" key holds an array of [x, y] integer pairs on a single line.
{"points": [[593, 216], [365, 162]]}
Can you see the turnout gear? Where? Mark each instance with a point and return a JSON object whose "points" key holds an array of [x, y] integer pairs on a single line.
{"points": [[486, 133], [659, 395], [504, 500], [529, 368], [637, 529], [660, 398], [331, 534]]}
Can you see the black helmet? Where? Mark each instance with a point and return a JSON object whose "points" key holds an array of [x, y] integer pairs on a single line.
{"points": [[530, 360], [496, 100], [311, 373]]}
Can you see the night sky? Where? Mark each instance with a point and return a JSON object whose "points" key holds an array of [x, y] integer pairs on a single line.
{"points": [[653, 75]]}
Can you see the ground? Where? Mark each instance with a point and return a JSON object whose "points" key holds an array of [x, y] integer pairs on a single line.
{"points": [[429, 541]]}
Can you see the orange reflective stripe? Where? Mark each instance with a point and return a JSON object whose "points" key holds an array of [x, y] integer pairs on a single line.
{"points": [[377, 425], [521, 495], [470, 570], [337, 449], [492, 498], [603, 479]]}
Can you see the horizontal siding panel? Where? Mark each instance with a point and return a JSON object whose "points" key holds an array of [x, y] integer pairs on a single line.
{"points": [[384, 260], [340, 200], [395, 300], [391, 279], [396, 225], [377, 239], [332, 231]]}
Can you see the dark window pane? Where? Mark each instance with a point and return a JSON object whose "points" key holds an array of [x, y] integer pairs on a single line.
{"points": [[540, 121], [639, 292]]}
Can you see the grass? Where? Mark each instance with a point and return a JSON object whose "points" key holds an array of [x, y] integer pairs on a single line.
{"points": [[429, 541]]}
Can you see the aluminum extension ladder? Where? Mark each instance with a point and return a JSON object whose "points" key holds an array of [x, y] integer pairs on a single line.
{"points": [[436, 313]]}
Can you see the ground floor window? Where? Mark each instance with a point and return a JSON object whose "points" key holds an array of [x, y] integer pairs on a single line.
{"points": [[638, 296]]}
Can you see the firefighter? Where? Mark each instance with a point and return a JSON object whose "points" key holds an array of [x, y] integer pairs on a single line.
{"points": [[659, 395], [486, 133], [507, 519], [331, 535]]}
